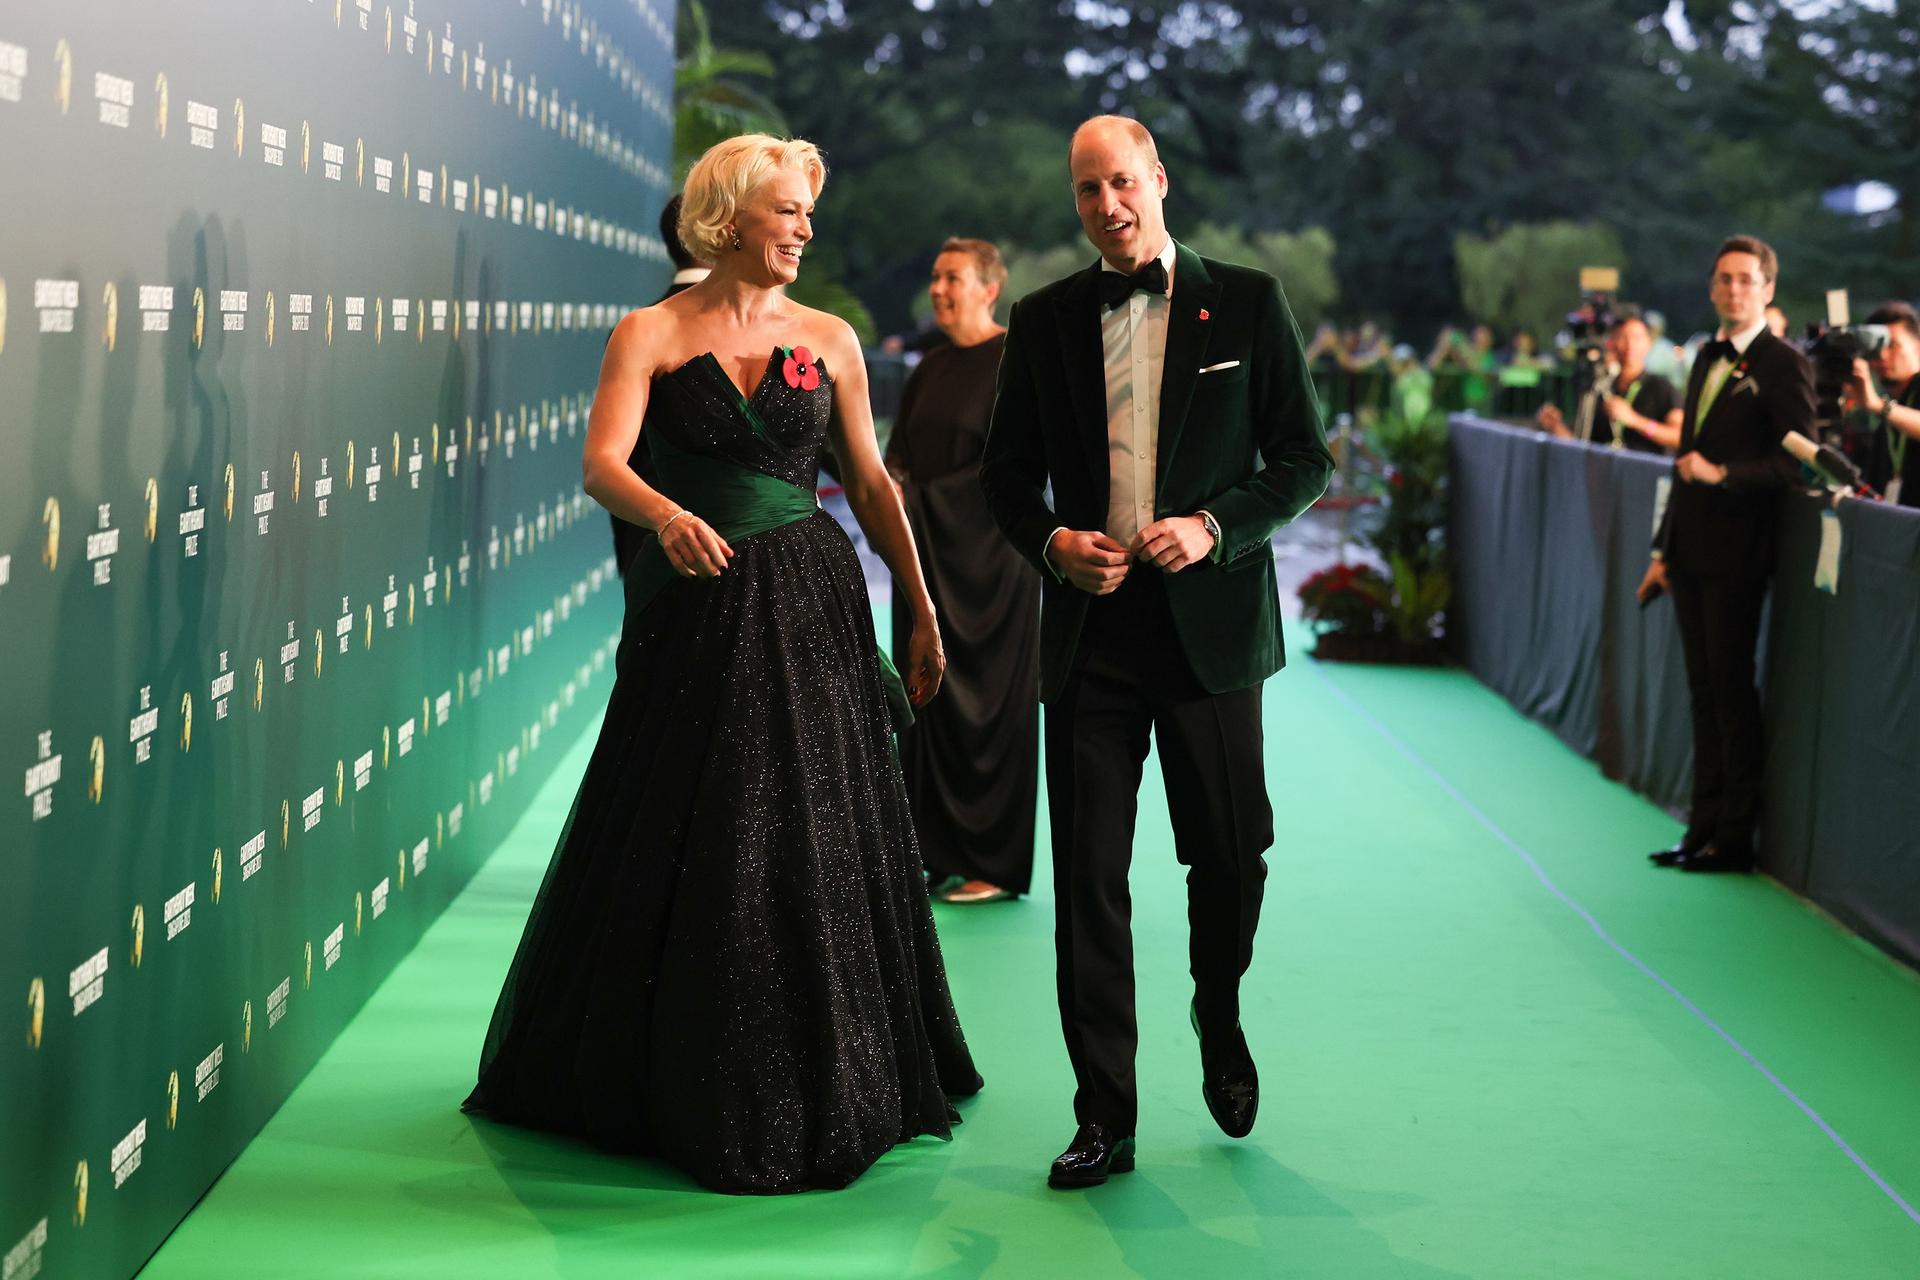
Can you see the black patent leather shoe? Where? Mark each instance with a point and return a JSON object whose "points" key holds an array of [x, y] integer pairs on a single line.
{"points": [[1228, 1080], [1714, 857], [1096, 1152], [1675, 856]]}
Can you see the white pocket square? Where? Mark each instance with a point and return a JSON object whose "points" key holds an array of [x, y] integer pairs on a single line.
{"points": [[1224, 364], [1745, 384]]}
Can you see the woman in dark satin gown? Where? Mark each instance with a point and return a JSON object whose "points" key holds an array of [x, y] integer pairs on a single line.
{"points": [[732, 961], [972, 760]]}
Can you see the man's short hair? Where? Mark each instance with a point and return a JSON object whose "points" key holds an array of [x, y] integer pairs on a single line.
{"points": [[670, 235], [987, 262], [1769, 260], [1626, 313], [1897, 315], [1131, 127]]}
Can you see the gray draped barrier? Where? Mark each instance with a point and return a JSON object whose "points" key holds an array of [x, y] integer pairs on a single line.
{"points": [[1549, 540]]}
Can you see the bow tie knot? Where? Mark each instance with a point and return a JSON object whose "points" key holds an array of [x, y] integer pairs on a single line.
{"points": [[1116, 287], [1718, 349]]}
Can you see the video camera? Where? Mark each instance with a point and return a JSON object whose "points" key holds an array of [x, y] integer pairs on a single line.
{"points": [[1589, 325], [1833, 347]]}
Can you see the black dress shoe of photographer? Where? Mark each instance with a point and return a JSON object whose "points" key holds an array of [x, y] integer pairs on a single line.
{"points": [[1228, 1080], [1680, 852], [1716, 857], [1096, 1151]]}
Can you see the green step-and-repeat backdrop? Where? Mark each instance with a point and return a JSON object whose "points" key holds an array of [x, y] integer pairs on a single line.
{"points": [[301, 307]]}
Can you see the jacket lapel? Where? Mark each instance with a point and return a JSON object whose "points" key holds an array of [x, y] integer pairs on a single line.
{"points": [[1194, 291], [1079, 320], [1696, 387]]}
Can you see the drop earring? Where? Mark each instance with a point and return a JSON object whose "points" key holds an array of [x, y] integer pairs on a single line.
{"points": [[737, 245]]}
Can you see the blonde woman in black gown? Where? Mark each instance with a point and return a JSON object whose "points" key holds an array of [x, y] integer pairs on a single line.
{"points": [[972, 759], [732, 962]]}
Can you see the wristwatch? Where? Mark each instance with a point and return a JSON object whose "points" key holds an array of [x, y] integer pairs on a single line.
{"points": [[1211, 525]]}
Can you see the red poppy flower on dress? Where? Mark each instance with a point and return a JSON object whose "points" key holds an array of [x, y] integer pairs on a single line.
{"points": [[1203, 313], [800, 371]]}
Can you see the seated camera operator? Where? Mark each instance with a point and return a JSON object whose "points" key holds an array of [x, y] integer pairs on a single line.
{"points": [[1892, 468], [1644, 409]]}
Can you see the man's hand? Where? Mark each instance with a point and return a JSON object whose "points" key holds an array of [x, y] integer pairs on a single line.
{"points": [[1621, 412], [1090, 560], [1695, 469], [1654, 583], [1173, 543], [1551, 419], [1860, 392]]}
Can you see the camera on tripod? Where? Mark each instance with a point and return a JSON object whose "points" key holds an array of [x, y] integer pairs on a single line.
{"points": [[1833, 347], [1589, 325]]}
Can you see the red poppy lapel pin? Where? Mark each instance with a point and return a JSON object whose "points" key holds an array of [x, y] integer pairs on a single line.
{"points": [[799, 369], [1203, 313]]}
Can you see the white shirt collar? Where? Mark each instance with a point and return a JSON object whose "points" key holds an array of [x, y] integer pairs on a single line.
{"points": [[1166, 257], [691, 275], [1744, 339]]}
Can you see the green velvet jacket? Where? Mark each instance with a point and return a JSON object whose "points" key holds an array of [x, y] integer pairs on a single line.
{"points": [[1245, 442]]}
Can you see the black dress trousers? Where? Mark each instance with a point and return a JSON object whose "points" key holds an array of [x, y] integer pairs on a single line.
{"points": [[1131, 681], [1719, 617]]}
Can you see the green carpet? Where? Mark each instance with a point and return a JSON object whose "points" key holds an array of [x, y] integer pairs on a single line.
{"points": [[1463, 1074]]}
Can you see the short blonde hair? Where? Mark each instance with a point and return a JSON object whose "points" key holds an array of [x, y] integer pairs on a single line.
{"points": [[722, 180], [987, 262]]}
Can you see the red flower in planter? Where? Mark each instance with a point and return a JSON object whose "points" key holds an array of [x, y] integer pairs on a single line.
{"points": [[800, 371]]}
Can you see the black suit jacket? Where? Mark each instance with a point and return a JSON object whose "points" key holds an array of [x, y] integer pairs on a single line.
{"points": [[1244, 442], [1728, 530]]}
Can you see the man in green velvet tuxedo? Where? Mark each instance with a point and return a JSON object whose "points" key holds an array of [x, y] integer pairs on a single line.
{"points": [[1165, 399]]}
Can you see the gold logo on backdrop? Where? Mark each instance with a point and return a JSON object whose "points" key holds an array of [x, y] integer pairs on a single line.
{"points": [[186, 722], [97, 781], [160, 105], [426, 718], [153, 509], [173, 1099], [434, 436], [246, 1026], [409, 604], [80, 1194], [50, 516], [439, 829], [386, 746], [403, 871], [329, 319], [63, 83], [229, 499], [349, 464], [270, 317], [3, 314], [319, 652], [356, 913], [336, 13], [443, 186], [379, 320], [307, 981], [456, 320], [389, 28], [339, 783], [306, 145], [286, 823], [463, 71], [393, 459], [494, 91], [406, 175], [218, 862], [139, 933], [369, 640], [420, 322], [296, 476], [36, 1011], [199, 316], [259, 682], [110, 300], [468, 446], [239, 128], [359, 162]]}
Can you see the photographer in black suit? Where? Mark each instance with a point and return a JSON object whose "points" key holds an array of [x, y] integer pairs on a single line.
{"points": [[1893, 469], [1715, 545]]}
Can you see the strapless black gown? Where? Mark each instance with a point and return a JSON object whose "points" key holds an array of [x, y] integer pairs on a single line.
{"points": [[732, 962]]}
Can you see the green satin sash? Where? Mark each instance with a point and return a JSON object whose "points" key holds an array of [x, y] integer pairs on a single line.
{"points": [[736, 502]]}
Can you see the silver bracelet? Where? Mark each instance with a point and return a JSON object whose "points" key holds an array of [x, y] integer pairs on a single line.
{"points": [[662, 532]]}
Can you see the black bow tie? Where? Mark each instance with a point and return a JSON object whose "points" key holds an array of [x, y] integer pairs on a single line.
{"points": [[1116, 288], [1718, 349]]}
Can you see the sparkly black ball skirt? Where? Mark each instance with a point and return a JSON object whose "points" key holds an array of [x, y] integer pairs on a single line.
{"points": [[732, 963]]}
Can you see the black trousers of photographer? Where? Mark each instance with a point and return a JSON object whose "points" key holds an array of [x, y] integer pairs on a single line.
{"points": [[1719, 620]]}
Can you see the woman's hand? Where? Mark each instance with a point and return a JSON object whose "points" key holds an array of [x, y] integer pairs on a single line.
{"points": [[926, 663], [693, 548]]}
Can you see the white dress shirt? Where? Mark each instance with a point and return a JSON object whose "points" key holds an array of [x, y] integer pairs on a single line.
{"points": [[1717, 375], [1133, 348]]}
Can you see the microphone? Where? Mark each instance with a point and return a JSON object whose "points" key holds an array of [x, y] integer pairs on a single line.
{"points": [[1834, 468]]}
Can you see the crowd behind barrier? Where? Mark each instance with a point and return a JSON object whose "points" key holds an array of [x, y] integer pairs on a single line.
{"points": [[1549, 539]]}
